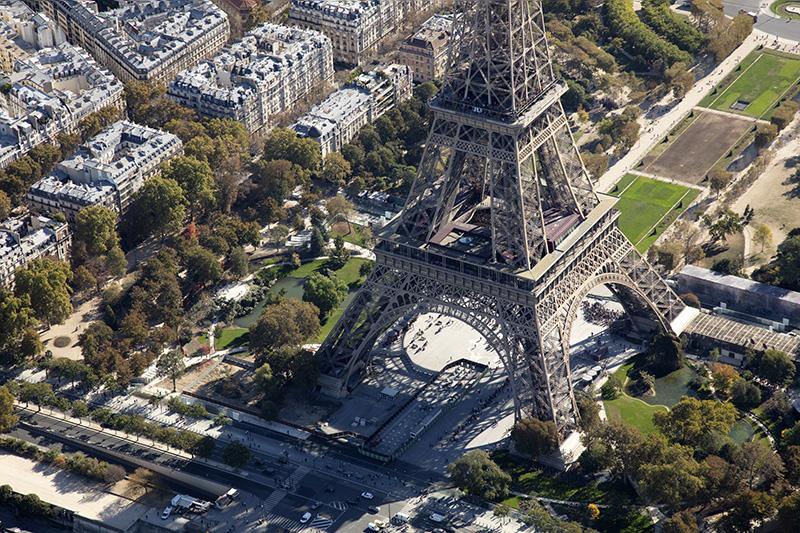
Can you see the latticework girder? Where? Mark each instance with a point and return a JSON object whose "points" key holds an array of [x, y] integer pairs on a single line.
{"points": [[501, 161]]}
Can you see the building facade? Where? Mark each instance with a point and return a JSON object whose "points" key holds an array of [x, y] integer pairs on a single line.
{"points": [[106, 171], [355, 27], [49, 93], [23, 32], [337, 120], [24, 239], [426, 50], [265, 73], [142, 40]]}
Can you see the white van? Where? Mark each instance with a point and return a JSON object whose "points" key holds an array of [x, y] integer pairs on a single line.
{"points": [[401, 518]]}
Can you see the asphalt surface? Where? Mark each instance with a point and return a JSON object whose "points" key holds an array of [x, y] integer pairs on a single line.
{"points": [[767, 21], [332, 499]]}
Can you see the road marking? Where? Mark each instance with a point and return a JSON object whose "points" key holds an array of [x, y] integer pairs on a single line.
{"points": [[339, 506]]}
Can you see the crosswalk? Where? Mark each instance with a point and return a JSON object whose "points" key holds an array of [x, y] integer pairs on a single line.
{"points": [[339, 506], [320, 523], [276, 496], [299, 473], [285, 523]]}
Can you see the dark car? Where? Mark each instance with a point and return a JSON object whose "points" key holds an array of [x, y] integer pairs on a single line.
{"points": [[374, 509], [352, 501]]}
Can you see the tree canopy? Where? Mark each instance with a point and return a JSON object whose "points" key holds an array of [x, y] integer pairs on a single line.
{"points": [[45, 282]]}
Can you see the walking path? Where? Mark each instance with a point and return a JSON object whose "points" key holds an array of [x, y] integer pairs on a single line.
{"points": [[654, 131]]}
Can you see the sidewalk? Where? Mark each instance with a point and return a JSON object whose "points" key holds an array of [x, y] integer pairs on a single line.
{"points": [[654, 131]]}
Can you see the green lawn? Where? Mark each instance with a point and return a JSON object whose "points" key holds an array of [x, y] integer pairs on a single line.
{"points": [[633, 412], [349, 273], [228, 337], [527, 478], [780, 6], [355, 234], [764, 78], [649, 206]]}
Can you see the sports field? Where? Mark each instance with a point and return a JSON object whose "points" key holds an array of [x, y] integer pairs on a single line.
{"points": [[761, 80], [689, 156], [649, 206]]}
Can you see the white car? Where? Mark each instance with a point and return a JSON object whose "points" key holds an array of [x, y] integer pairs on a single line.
{"points": [[166, 512], [305, 518], [367, 495], [372, 527]]}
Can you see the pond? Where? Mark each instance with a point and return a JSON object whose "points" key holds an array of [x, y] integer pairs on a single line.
{"points": [[293, 288], [742, 431], [670, 388]]}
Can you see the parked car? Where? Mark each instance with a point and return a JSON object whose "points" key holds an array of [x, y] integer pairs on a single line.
{"points": [[166, 512], [367, 495], [305, 518], [373, 509]]}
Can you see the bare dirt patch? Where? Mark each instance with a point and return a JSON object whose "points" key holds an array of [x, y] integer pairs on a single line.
{"points": [[775, 197], [695, 151]]}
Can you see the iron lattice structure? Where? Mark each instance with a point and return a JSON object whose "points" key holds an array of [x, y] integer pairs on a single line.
{"points": [[502, 227]]}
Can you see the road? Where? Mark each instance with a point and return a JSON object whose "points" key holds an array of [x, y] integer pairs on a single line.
{"points": [[767, 21], [339, 496]]}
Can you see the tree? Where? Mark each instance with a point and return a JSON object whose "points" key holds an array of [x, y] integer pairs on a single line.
{"points": [[762, 236], [335, 169], [171, 365], [45, 282], [340, 208], [237, 262], [589, 411], [17, 319], [765, 134], [96, 228], [664, 355], [697, 423], [535, 437], [159, 207], [789, 512], [757, 462], [202, 266], [7, 417], [745, 395], [5, 205], [718, 179], [791, 459], [284, 143], [748, 507], [475, 473], [612, 388], [236, 455], [776, 367], [339, 255], [681, 522], [278, 234], [274, 179], [326, 292], [675, 480], [723, 376], [722, 223], [784, 114], [678, 77], [83, 279], [316, 246], [196, 180], [286, 323]]}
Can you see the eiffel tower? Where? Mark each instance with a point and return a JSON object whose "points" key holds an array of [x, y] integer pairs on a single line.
{"points": [[502, 228]]}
